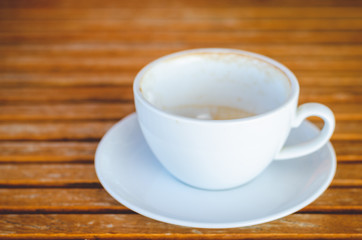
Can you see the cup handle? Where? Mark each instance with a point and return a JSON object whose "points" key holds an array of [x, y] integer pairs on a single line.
{"points": [[304, 111]]}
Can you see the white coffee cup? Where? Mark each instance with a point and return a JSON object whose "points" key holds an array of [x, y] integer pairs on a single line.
{"points": [[221, 154]]}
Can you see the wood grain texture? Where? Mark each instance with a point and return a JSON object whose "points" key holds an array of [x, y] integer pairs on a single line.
{"points": [[116, 111], [156, 50], [55, 131], [83, 151], [164, 37], [319, 79], [83, 200], [132, 224], [94, 130], [56, 112], [99, 64], [78, 175], [66, 73], [187, 25], [124, 94], [55, 151]]}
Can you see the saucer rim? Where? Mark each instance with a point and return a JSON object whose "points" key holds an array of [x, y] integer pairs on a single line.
{"points": [[212, 225]]}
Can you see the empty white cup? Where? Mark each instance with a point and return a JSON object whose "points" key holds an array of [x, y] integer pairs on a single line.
{"points": [[221, 154]]}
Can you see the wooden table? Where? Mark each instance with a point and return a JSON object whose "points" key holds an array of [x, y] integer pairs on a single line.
{"points": [[66, 69]]}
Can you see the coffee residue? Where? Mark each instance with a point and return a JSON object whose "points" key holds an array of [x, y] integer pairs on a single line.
{"points": [[209, 112]]}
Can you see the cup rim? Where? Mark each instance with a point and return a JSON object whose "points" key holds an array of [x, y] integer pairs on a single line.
{"points": [[287, 72]]}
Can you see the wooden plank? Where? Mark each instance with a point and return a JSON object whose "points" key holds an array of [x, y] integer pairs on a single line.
{"points": [[74, 198], [328, 79], [348, 150], [68, 94], [115, 111], [83, 175], [184, 25], [81, 111], [55, 131], [337, 197], [126, 64], [320, 79], [180, 13], [156, 50], [45, 152], [349, 171], [125, 94], [197, 37], [330, 94], [77, 64], [83, 152], [25, 201], [47, 173], [94, 130], [348, 130], [130, 225], [346, 112], [53, 79]]}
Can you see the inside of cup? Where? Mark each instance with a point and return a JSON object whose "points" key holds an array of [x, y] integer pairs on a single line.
{"points": [[215, 79]]}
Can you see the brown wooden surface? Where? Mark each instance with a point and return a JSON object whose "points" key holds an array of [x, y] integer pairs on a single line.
{"points": [[66, 70]]}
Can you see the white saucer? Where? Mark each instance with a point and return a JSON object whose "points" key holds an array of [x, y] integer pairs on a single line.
{"points": [[133, 176]]}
